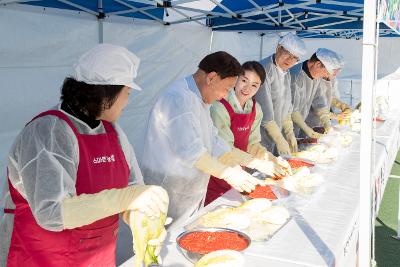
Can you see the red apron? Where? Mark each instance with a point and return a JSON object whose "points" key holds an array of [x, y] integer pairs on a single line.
{"points": [[241, 128], [102, 165]]}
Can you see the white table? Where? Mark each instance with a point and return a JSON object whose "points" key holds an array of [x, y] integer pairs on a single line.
{"points": [[324, 229]]}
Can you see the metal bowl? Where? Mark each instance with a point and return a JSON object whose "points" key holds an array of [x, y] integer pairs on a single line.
{"points": [[195, 256]]}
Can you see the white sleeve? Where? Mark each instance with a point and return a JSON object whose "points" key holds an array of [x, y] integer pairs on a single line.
{"points": [[219, 145], [264, 98], [182, 128], [320, 100], [43, 166], [135, 176], [335, 89], [296, 88]]}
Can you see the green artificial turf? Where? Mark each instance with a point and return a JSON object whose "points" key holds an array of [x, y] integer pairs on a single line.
{"points": [[387, 249]]}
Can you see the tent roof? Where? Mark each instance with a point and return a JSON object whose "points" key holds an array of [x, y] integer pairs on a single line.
{"points": [[317, 18]]}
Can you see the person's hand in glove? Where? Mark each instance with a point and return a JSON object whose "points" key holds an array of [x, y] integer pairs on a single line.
{"points": [[325, 118], [288, 130], [281, 144], [240, 179], [227, 168], [291, 139], [283, 147], [84, 209], [299, 120], [267, 167], [284, 164], [311, 133], [258, 151]]}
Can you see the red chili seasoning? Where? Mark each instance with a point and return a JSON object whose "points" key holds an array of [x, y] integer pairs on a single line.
{"points": [[262, 192], [296, 163], [206, 242]]}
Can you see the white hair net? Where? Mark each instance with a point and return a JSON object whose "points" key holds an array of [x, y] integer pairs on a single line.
{"points": [[293, 44], [330, 59], [108, 65]]}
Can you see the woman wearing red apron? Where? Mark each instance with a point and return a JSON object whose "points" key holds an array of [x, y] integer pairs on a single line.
{"points": [[69, 170], [238, 119]]}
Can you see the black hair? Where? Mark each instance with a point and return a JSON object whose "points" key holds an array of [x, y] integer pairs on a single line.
{"points": [[91, 99], [256, 67], [314, 58], [224, 64]]}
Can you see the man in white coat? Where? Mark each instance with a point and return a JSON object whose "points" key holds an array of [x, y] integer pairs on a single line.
{"points": [[275, 96], [307, 93]]}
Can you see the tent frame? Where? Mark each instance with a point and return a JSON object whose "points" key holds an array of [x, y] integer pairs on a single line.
{"points": [[287, 16]]}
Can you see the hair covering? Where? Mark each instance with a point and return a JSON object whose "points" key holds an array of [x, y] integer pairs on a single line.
{"points": [[330, 59], [107, 64], [293, 44]]}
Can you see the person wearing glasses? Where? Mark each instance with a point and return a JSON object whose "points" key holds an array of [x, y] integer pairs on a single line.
{"points": [[307, 92], [274, 96]]}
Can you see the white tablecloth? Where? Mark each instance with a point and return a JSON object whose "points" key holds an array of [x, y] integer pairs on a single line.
{"points": [[324, 228]]}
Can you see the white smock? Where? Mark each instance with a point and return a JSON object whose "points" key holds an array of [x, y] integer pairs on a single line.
{"points": [[179, 132], [306, 93], [329, 90], [42, 166], [274, 97]]}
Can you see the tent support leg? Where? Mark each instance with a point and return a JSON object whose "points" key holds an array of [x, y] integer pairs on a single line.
{"points": [[101, 35], [100, 19], [211, 40], [261, 45], [366, 180]]}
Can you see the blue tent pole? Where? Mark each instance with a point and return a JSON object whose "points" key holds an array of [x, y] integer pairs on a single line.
{"points": [[211, 40], [261, 45], [100, 19]]}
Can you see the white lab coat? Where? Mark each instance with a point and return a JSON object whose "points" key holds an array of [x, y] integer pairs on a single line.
{"points": [[329, 90], [306, 93], [180, 131], [274, 97]]}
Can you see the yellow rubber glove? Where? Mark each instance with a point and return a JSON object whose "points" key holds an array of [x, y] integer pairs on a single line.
{"points": [[84, 209], [258, 151], [289, 133], [281, 144], [242, 158], [340, 105], [325, 118], [299, 120], [234, 176]]}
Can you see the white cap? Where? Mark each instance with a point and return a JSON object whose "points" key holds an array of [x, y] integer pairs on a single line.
{"points": [[330, 59], [107, 64], [293, 44]]}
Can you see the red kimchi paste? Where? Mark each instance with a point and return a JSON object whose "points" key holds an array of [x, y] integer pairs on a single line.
{"points": [[296, 163], [206, 242]]}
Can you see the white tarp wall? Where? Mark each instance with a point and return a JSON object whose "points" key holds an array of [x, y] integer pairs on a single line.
{"points": [[37, 50]]}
